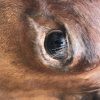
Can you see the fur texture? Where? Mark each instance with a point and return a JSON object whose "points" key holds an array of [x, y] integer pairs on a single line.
{"points": [[26, 70]]}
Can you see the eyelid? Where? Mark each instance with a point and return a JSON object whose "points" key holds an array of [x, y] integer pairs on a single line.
{"points": [[42, 31]]}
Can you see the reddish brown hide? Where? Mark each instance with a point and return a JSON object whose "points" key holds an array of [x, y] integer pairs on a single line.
{"points": [[27, 72]]}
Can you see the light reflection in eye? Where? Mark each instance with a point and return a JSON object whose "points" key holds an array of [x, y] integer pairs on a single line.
{"points": [[56, 44]]}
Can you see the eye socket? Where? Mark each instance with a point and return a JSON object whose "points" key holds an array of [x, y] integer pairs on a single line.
{"points": [[56, 44]]}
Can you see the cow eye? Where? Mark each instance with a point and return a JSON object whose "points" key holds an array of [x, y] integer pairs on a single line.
{"points": [[56, 44]]}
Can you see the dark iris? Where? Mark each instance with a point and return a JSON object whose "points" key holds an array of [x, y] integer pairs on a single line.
{"points": [[56, 44]]}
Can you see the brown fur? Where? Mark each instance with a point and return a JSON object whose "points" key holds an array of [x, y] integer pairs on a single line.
{"points": [[24, 74]]}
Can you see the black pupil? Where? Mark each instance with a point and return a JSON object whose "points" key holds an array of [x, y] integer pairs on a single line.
{"points": [[55, 44]]}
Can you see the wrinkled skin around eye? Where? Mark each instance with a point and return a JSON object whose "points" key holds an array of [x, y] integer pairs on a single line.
{"points": [[27, 71]]}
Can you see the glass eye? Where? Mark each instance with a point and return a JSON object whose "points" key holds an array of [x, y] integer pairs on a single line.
{"points": [[56, 44]]}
